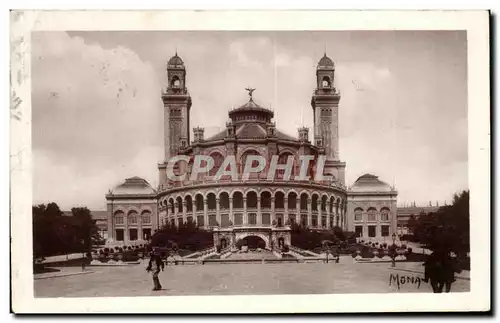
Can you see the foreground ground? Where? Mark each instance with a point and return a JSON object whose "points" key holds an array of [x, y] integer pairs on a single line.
{"points": [[231, 279]]}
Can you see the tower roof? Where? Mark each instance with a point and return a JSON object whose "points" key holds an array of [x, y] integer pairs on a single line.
{"points": [[325, 62], [175, 62]]}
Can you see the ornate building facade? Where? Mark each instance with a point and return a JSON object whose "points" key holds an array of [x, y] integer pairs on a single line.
{"points": [[261, 206]]}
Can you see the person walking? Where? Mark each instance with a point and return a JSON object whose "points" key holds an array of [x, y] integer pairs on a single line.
{"points": [[155, 266], [440, 270]]}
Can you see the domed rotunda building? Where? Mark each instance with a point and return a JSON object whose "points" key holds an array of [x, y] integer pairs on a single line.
{"points": [[259, 206]]}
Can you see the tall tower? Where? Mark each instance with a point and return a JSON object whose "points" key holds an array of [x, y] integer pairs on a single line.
{"points": [[325, 105], [177, 105]]}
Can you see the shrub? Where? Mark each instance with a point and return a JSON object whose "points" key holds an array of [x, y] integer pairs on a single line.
{"points": [[367, 254]]}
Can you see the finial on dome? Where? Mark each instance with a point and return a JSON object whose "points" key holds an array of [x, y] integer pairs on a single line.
{"points": [[250, 91]]}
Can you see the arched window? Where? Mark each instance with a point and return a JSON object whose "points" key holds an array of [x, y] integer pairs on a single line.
{"points": [[211, 201], [251, 200], [237, 200], [314, 202], [172, 207], [279, 200], [303, 201], [323, 203], [358, 214], [282, 160], [372, 214], [189, 203], [218, 160], [179, 204], [292, 200], [332, 203], [199, 202], [146, 217], [254, 163], [132, 217], [224, 201], [119, 216], [325, 82], [337, 206], [384, 214], [265, 200], [176, 82]]}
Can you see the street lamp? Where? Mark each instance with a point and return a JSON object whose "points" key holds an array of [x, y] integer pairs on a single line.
{"points": [[394, 250]]}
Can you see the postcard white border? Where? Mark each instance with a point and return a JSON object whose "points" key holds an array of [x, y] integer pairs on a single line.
{"points": [[474, 22]]}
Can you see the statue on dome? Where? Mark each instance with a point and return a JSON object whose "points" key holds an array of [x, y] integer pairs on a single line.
{"points": [[250, 91]]}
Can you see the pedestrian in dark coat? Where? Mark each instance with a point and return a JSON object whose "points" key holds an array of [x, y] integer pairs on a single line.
{"points": [[440, 270], [155, 266]]}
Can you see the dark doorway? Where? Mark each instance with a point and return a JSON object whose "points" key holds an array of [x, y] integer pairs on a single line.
{"points": [[254, 242], [223, 243]]}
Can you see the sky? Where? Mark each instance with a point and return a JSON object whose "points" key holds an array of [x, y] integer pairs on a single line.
{"points": [[97, 113]]}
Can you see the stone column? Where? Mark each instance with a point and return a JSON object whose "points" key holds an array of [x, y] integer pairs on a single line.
{"points": [[126, 237], [245, 215], [320, 215], [285, 217], [205, 212], [231, 215], [298, 217], [139, 227], [273, 209], [328, 216], [195, 215], [217, 216], [309, 212], [184, 211], [335, 214], [259, 215]]}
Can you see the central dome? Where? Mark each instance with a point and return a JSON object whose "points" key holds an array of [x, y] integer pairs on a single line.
{"points": [[251, 111]]}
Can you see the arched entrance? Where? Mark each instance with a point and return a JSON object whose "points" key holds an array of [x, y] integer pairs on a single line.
{"points": [[252, 242]]}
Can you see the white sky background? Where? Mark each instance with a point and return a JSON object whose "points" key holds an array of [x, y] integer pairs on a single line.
{"points": [[98, 114]]}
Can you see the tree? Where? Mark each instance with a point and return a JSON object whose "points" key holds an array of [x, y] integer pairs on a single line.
{"points": [[448, 228], [85, 229], [54, 233], [412, 224]]}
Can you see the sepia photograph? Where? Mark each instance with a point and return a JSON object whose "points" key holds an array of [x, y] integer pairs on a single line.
{"points": [[219, 162]]}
